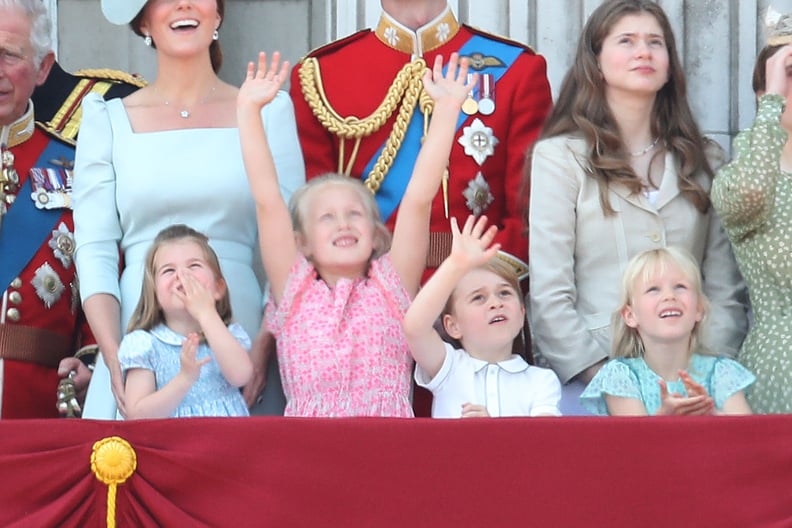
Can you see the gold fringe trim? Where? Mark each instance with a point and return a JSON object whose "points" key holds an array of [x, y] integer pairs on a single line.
{"points": [[404, 93], [112, 75]]}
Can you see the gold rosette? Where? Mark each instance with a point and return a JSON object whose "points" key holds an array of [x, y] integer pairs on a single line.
{"points": [[113, 461]]}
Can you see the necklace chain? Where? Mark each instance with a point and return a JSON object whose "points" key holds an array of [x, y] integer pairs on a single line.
{"points": [[185, 112], [646, 149]]}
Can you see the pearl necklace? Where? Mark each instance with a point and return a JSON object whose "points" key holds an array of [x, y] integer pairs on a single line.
{"points": [[643, 151], [185, 112]]}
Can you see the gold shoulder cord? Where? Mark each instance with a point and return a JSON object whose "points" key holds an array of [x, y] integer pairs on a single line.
{"points": [[407, 89]]}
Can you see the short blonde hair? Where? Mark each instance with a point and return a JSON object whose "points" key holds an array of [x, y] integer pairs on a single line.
{"points": [[148, 312], [299, 203], [626, 340]]}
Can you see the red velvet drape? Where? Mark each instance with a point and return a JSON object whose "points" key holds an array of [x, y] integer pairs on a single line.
{"points": [[702, 472]]}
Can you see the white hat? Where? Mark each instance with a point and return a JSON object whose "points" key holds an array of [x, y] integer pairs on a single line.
{"points": [[121, 11]]}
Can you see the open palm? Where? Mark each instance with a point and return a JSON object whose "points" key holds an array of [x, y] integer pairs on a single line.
{"points": [[263, 81]]}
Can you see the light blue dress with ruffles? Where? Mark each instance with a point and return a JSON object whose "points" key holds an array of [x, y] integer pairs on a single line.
{"points": [[632, 378], [159, 351]]}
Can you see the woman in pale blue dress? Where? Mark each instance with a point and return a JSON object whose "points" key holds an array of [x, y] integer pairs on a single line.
{"points": [[169, 153]]}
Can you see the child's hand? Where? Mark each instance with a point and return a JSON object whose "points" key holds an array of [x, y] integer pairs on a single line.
{"points": [[472, 410], [676, 404], [692, 388], [190, 366], [453, 86], [473, 246], [197, 299], [262, 83]]}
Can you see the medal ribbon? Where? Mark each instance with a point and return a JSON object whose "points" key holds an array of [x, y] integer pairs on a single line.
{"points": [[25, 228], [393, 186]]}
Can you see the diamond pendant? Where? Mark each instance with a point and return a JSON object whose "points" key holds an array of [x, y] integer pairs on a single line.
{"points": [[184, 114]]}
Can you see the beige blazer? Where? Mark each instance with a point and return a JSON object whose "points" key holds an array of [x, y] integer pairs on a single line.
{"points": [[577, 255]]}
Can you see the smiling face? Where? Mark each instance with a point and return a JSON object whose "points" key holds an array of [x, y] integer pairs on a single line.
{"points": [[338, 231], [486, 315], [19, 71], [180, 27], [634, 57], [182, 257], [664, 306]]}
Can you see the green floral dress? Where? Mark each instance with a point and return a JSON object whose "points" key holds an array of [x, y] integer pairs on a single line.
{"points": [[754, 198]]}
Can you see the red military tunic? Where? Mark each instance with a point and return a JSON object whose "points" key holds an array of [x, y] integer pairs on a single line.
{"points": [[40, 321], [357, 72]]}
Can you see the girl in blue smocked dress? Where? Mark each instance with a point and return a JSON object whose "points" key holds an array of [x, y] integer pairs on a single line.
{"points": [[658, 367], [183, 355]]}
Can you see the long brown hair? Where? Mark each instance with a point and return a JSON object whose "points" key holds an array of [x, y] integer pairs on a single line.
{"points": [[582, 110], [148, 312], [215, 53]]}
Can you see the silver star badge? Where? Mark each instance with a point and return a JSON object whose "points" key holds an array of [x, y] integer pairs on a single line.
{"points": [[62, 244], [48, 285], [478, 194], [478, 140]]}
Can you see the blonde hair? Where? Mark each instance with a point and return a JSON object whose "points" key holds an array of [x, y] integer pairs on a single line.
{"points": [[148, 312], [521, 345], [626, 340], [299, 203]]}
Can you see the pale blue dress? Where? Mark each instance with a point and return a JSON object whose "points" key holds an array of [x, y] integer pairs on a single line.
{"points": [[128, 186], [632, 378], [159, 351]]}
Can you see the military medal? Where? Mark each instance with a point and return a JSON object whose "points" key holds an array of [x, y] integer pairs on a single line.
{"points": [[470, 105], [478, 140], [478, 195], [486, 104], [51, 188], [62, 245], [48, 285], [9, 180]]}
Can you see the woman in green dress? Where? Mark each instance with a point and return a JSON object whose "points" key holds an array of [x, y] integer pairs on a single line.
{"points": [[753, 195]]}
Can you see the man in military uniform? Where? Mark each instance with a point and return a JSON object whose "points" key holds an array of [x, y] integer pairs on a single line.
{"points": [[41, 325], [360, 111]]}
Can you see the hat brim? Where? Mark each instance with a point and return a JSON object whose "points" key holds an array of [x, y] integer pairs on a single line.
{"points": [[121, 11]]}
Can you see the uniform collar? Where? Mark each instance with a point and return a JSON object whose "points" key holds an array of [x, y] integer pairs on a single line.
{"points": [[426, 38], [20, 130], [513, 365]]}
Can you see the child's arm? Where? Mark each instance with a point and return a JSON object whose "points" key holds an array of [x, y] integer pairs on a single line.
{"points": [[470, 248], [233, 360], [736, 404], [411, 234], [623, 406], [276, 234], [145, 401]]}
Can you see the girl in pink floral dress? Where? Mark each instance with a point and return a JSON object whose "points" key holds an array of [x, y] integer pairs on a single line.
{"points": [[339, 288]]}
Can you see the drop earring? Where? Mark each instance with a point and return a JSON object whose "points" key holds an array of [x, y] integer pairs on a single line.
{"points": [[147, 40], [215, 35]]}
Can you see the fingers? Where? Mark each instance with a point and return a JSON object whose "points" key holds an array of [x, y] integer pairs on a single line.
{"points": [[190, 346], [692, 388]]}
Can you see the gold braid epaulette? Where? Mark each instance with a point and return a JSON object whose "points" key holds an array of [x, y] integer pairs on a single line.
{"points": [[407, 89], [112, 75]]}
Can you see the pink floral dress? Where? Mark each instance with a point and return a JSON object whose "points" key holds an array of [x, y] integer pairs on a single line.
{"points": [[342, 350]]}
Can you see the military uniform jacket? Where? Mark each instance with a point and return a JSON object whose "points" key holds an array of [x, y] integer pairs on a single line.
{"points": [[486, 162], [41, 321]]}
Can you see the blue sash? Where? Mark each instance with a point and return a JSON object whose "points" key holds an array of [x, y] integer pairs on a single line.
{"points": [[25, 228], [390, 193]]}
